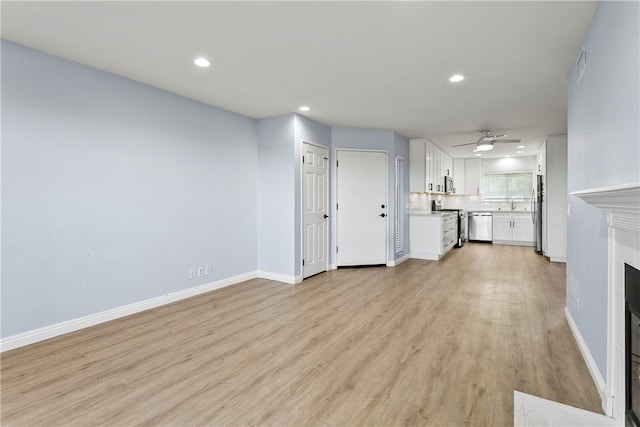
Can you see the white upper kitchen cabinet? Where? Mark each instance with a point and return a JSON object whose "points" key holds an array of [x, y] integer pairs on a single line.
{"points": [[459, 176], [473, 176], [427, 166], [555, 194], [417, 166]]}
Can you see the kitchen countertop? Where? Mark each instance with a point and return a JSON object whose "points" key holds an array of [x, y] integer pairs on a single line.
{"points": [[419, 212], [427, 213], [497, 211]]}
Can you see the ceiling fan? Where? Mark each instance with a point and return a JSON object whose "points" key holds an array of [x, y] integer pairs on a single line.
{"points": [[486, 141]]}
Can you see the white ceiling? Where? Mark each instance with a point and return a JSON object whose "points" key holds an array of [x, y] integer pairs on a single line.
{"points": [[357, 64]]}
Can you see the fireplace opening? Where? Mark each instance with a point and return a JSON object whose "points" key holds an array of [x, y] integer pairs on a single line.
{"points": [[632, 344]]}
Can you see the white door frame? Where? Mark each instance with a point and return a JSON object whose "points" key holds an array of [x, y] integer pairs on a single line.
{"points": [[301, 207], [334, 186]]}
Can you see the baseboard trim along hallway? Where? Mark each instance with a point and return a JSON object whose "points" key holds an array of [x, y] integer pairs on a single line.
{"points": [[531, 410], [588, 358], [57, 329]]}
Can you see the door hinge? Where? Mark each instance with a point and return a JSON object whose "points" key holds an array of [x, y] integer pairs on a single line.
{"points": [[303, 263], [336, 249], [336, 163], [326, 158], [336, 206], [302, 159]]}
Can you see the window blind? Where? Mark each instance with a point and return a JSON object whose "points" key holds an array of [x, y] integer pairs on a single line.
{"points": [[508, 186], [401, 209]]}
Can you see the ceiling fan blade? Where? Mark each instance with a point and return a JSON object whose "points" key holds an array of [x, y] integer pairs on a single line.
{"points": [[462, 145], [507, 140]]}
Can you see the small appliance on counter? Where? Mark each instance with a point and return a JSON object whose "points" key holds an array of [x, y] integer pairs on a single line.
{"points": [[448, 184]]}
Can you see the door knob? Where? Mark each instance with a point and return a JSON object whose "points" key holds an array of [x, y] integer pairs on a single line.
{"points": [[382, 215], [326, 216]]}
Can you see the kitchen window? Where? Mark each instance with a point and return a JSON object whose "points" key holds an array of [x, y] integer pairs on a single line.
{"points": [[508, 186]]}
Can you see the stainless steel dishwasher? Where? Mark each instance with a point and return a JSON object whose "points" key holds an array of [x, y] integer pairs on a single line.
{"points": [[481, 226]]}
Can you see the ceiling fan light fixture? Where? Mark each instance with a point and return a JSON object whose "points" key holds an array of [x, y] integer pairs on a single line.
{"points": [[484, 146], [456, 78]]}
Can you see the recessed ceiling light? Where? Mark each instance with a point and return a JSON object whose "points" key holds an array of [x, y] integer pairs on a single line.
{"points": [[479, 154], [456, 78], [201, 62], [520, 146], [519, 152], [304, 108]]}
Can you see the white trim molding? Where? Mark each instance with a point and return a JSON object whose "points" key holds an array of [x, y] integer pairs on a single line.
{"points": [[57, 329], [292, 280], [622, 203], [617, 198], [398, 261], [597, 377]]}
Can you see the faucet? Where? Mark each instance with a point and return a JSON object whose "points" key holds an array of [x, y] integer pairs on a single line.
{"points": [[513, 205]]}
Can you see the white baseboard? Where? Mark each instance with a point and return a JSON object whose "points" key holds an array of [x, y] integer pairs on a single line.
{"points": [[398, 261], [292, 280], [558, 259], [424, 255], [44, 333], [597, 377], [333, 267], [512, 243]]}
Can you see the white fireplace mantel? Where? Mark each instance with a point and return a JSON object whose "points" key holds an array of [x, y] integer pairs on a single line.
{"points": [[622, 203], [616, 198]]}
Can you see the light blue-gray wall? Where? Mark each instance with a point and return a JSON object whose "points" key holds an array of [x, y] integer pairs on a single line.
{"points": [[306, 130], [370, 139], [276, 195], [603, 149], [112, 190], [279, 190]]}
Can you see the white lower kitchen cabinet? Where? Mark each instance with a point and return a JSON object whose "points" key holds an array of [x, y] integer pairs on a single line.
{"points": [[432, 236], [513, 229]]}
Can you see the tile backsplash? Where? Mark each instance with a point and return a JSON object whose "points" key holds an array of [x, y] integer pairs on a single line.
{"points": [[422, 202]]}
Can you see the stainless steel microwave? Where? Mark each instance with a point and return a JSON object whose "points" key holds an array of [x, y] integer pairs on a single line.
{"points": [[448, 184]]}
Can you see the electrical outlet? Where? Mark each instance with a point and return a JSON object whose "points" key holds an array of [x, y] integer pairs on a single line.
{"points": [[207, 270], [192, 273], [200, 271]]}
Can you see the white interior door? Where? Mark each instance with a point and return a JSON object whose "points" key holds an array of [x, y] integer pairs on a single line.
{"points": [[361, 222], [314, 210]]}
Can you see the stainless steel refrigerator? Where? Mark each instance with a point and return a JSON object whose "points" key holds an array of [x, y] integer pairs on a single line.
{"points": [[536, 214]]}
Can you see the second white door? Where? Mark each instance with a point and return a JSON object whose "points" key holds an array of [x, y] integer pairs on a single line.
{"points": [[314, 210], [361, 224]]}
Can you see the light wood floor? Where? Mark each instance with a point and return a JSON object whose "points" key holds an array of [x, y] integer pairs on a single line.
{"points": [[425, 343]]}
